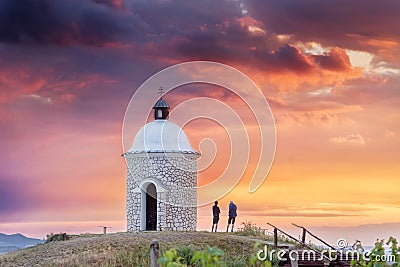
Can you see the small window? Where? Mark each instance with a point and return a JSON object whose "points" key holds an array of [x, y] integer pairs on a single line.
{"points": [[159, 113]]}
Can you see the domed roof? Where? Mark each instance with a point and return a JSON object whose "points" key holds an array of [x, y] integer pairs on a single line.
{"points": [[161, 136], [161, 103]]}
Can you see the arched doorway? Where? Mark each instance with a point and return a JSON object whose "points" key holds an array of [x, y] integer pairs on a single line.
{"points": [[151, 207]]}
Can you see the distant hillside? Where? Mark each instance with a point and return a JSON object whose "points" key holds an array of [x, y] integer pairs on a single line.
{"points": [[7, 249], [18, 240], [13, 242], [125, 249], [9, 243]]}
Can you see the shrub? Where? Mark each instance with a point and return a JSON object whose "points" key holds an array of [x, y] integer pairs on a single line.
{"points": [[56, 237], [251, 229]]}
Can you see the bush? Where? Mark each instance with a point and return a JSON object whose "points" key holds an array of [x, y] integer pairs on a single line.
{"points": [[56, 237], [251, 229]]}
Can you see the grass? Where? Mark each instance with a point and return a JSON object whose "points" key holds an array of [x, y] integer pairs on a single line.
{"points": [[128, 249], [250, 229]]}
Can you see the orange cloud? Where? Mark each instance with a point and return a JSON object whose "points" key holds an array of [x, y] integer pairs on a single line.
{"points": [[357, 139], [252, 25]]}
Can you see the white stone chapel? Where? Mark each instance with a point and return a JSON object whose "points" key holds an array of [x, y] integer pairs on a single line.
{"points": [[161, 177]]}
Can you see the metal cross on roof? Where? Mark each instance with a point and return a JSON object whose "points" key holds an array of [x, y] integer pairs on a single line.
{"points": [[161, 92]]}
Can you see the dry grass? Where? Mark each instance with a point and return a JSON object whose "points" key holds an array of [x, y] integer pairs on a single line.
{"points": [[123, 249]]}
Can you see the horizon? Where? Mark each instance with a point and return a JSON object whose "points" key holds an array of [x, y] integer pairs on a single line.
{"points": [[330, 72], [327, 233]]}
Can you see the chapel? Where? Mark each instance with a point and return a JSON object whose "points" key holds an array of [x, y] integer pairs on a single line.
{"points": [[161, 177]]}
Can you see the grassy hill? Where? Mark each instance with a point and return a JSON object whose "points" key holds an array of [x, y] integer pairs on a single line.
{"points": [[127, 249]]}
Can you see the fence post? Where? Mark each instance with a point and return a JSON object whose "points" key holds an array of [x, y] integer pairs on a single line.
{"points": [[154, 253]]}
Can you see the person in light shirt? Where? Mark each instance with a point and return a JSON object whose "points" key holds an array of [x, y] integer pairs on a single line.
{"points": [[232, 215]]}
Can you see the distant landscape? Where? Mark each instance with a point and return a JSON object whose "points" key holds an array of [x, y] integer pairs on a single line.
{"points": [[14, 242]]}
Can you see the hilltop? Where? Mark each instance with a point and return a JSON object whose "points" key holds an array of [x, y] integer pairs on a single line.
{"points": [[126, 249]]}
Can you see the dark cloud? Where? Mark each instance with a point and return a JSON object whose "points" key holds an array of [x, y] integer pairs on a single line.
{"points": [[178, 30], [218, 31], [157, 33], [329, 22], [243, 48], [291, 58], [111, 3], [209, 46], [182, 16], [234, 44], [63, 23], [224, 36]]}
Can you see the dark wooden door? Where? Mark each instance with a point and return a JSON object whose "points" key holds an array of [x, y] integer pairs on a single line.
{"points": [[151, 208]]}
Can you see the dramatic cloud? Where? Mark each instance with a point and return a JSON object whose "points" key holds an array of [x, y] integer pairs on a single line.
{"points": [[327, 21], [360, 25], [62, 23]]}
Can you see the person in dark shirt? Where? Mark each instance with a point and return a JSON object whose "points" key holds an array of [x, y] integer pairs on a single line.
{"points": [[232, 215], [216, 212]]}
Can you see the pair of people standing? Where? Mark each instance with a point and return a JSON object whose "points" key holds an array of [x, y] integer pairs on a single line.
{"points": [[232, 216]]}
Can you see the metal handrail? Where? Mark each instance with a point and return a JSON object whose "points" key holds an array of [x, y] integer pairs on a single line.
{"points": [[316, 237], [295, 239]]}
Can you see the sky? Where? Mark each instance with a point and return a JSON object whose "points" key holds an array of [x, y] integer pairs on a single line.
{"points": [[330, 71]]}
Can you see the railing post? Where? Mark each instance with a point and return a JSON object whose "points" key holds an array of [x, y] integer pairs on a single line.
{"points": [[275, 237], [154, 253], [303, 238]]}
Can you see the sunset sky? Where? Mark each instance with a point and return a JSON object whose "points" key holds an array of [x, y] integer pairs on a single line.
{"points": [[330, 71]]}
